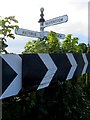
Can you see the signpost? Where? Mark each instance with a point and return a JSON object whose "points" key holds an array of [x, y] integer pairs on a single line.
{"points": [[43, 24]]}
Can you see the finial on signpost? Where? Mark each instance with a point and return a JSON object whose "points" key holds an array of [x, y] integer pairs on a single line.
{"points": [[41, 20], [42, 15]]}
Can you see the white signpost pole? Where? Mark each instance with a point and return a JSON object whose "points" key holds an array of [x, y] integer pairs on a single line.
{"points": [[89, 23]]}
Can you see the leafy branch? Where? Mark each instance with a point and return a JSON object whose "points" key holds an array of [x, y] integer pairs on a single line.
{"points": [[7, 24]]}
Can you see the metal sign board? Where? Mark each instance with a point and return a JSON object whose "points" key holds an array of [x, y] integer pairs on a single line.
{"points": [[55, 21], [29, 33], [36, 71], [60, 36]]}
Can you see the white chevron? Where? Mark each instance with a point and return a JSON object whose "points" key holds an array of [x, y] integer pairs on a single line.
{"points": [[86, 63], [74, 65], [51, 70], [15, 62]]}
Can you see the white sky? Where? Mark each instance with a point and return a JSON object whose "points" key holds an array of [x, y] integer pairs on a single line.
{"points": [[28, 13]]}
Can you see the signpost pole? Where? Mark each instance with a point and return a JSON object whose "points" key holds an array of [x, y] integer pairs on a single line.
{"points": [[89, 26]]}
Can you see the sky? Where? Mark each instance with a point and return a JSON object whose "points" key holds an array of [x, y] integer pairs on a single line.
{"points": [[27, 12]]}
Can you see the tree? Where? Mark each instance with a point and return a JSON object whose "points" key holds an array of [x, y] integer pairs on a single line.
{"points": [[51, 44], [36, 46], [82, 48], [88, 48], [7, 24], [70, 43]]}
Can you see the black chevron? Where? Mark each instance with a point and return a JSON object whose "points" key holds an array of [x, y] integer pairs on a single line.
{"points": [[63, 65], [80, 64], [33, 71], [8, 75]]}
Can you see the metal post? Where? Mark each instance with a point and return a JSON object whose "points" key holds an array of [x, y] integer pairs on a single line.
{"points": [[89, 23], [88, 50], [0, 87], [88, 27]]}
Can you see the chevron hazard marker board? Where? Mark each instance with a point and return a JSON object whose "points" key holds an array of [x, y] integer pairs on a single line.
{"points": [[40, 70], [36, 71], [11, 75]]}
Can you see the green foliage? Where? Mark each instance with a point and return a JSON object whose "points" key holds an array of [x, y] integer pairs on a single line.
{"points": [[70, 44], [50, 45], [88, 48], [36, 46], [7, 24], [82, 48], [53, 45]]}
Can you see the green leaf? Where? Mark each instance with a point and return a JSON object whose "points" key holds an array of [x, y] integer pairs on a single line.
{"points": [[11, 36]]}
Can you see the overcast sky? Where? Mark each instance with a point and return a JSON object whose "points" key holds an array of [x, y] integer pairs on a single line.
{"points": [[28, 13]]}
